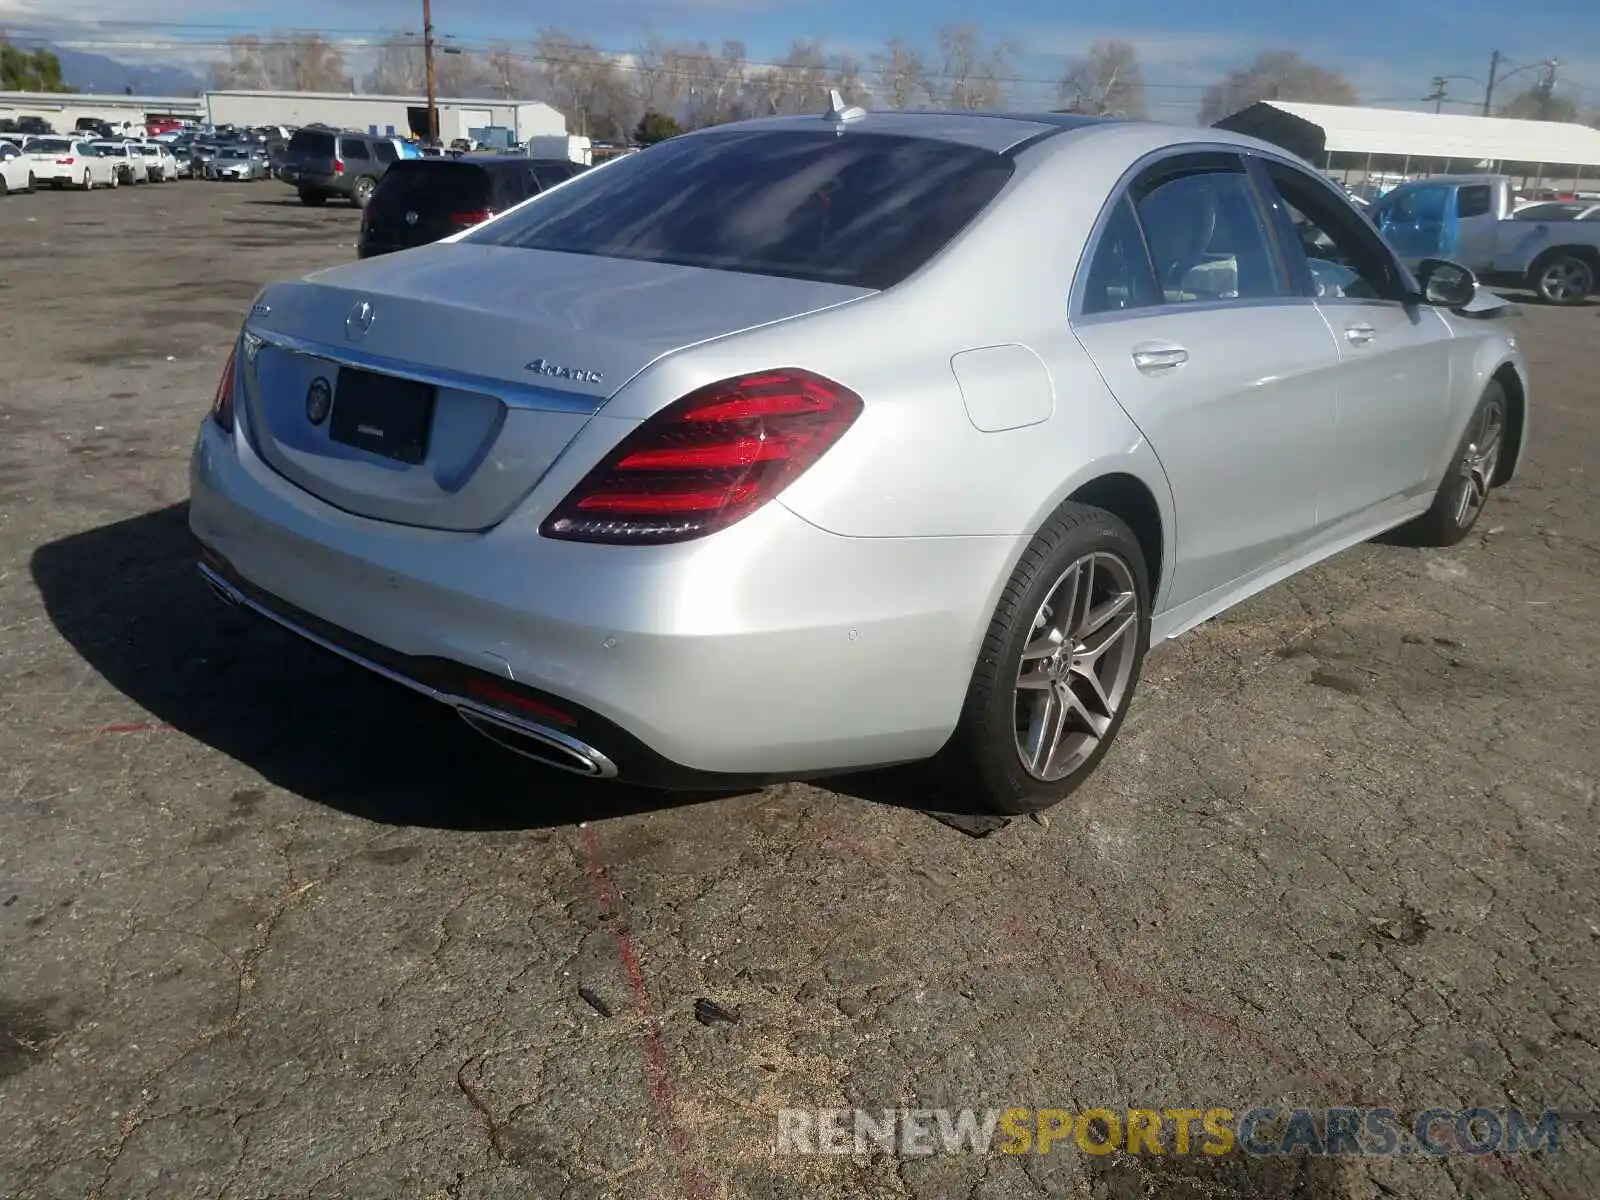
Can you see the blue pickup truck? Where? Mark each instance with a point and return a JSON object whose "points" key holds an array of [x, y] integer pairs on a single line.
{"points": [[1472, 220]]}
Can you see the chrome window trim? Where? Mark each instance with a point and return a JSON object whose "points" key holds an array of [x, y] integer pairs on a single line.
{"points": [[1119, 190], [1327, 185], [1175, 310], [513, 395]]}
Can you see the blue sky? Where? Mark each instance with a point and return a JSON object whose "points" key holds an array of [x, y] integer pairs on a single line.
{"points": [[1389, 48]]}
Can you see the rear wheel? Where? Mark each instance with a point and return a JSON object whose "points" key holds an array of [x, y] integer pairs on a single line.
{"points": [[1059, 665], [312, 198], [1461, 497], [362, 191], [1563, 279], [33, 182], [88, 182]]}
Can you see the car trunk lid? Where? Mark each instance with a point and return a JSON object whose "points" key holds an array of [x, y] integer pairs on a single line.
{"points": [[436, 387]]}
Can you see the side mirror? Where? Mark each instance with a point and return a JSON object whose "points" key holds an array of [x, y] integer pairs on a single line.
{"points": [[1445, 283]]}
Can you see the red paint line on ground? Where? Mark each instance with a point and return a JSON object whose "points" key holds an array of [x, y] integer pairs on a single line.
{"points": [[127, 727], [1120, 982], [658, 1076]]}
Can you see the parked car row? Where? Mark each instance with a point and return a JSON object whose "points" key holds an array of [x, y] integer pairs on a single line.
{"points": [[33, 161]]}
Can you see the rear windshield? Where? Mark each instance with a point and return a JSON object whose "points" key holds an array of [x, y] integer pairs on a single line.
{"points": [[430, 184], [49, 146], [861, 209], [312, 142]]}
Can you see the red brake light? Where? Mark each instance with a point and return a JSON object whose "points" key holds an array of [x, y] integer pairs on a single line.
{"points": [[65, 162], [474, 216], [708, 460], [338, 166], [222, 402]]}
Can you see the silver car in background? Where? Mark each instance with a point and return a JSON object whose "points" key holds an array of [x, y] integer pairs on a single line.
{"points": [[816, 443], [244, 164]]}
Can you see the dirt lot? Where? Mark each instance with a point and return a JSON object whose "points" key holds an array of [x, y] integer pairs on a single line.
{"points": [[270, 927]]}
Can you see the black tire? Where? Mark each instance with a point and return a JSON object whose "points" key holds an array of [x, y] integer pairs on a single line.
{"points": [[1448, 520], [33, 182], [361, 191], [984, 752], [5, 188], [313, 199], [1562, 278]]}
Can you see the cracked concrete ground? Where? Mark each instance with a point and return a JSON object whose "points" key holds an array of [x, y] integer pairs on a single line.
{"points": [[271, 927]]}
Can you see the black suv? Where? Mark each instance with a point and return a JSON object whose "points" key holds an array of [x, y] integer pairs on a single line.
{"points": [[320, 163], [424, 199]]}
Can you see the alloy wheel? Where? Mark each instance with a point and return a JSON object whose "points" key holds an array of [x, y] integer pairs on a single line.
{"points": [[1566, 280], [1076, 666], [1480, 461]]}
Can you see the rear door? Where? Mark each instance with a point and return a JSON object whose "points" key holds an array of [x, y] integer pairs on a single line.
{"points": [[1188, 312], [1394, 371]]}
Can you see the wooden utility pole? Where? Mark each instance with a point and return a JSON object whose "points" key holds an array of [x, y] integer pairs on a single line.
{"points": [[427, 63], [1488, 92], [1438, 94]]}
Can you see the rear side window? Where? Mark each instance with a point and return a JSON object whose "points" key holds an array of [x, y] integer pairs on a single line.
{"points": [[429, 185], [385, 152], [1472, 200], [353, 148], [863, 209], [312, 143], [1120, 277]]}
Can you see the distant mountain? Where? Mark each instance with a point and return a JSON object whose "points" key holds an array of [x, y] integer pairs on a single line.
{"points": [[109, 76]]}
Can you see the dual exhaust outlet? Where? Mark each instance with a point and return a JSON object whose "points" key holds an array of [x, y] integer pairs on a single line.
{"points": [[530, 740]]}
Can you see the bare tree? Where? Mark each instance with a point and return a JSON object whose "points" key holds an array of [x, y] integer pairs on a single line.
{"points": [[659, 75], [509, 73], [900, 75], [296, 62], [585, 83], [1274, 75], [398, 69], [1539, 103], [1105, 82], [844, 74], [974, 76]]}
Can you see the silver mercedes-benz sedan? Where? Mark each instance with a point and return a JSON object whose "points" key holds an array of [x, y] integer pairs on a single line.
{"points": [[817, 443]]}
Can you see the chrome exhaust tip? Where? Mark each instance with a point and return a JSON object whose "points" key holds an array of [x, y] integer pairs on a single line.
{"points": [[538, 743], [220, 589]]}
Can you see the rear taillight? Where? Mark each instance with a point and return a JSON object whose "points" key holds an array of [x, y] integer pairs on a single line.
{"points": [[222, 402], [65, 162], [338, 166], [474, 216], [707, 460]]}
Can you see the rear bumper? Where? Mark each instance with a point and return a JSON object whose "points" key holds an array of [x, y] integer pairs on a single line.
{"points": [[770, 650]]}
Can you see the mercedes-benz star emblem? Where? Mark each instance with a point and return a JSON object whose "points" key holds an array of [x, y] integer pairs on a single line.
{"points": [[359, 321], [319, 399], [411, 217]]}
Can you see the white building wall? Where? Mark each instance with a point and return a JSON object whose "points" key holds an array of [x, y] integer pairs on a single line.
{"points": [[379, 114], [63, 110]]}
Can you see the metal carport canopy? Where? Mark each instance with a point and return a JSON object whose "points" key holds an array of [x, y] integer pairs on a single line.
{"points": [[1351, 130]]}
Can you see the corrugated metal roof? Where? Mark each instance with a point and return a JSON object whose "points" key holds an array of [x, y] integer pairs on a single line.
{"points": [[1448, 135]]}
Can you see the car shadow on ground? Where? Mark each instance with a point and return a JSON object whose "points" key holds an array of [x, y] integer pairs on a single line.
{"points": [[128, 599]]}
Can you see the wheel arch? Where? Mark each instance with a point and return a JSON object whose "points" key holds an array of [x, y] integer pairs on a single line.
{"points": [[1130, 499], [1516, 392]]}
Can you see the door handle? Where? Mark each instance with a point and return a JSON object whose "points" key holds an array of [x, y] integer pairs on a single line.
{"points": [[1159, 357], [1360, 335]]}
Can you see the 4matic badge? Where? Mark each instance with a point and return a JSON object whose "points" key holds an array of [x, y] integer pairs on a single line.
{"points": [[540, 366]]}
